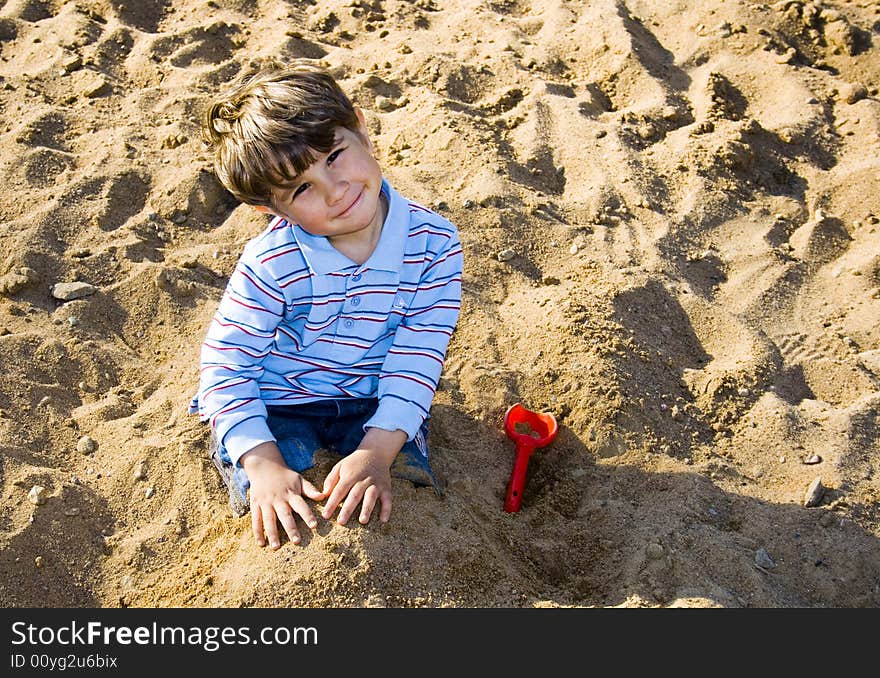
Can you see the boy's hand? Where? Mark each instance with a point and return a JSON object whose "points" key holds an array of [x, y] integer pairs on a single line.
{"points": [[364, 475], [275, 494]]}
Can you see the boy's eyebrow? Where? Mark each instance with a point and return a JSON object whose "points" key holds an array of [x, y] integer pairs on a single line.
{"points": [[337, 139], [288, 184]]}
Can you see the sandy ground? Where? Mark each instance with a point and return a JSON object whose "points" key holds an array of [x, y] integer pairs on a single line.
{"points": [[669, 212]]}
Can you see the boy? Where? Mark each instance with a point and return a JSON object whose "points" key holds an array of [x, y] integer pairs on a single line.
{"points": [[333, 328]]}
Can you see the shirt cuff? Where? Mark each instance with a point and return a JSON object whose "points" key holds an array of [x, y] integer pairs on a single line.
{"points": [[394, 415], [246, 436]]}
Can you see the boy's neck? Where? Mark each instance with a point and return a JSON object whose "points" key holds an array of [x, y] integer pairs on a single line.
{"points": [[359, 246]]}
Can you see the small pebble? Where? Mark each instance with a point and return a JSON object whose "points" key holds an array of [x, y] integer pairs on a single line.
{"points": [[384, 103], [852, 93], [37, 495], [654, 551], [71, 63], [86, 445], [72, 290], [815, 492], [742, 391], [506, 255], [149, 492], [140, 471], [573, 249], [787, 57], [763, 559], [813, 459], [38, 561]]}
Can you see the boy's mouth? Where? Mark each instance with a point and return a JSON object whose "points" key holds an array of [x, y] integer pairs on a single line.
{"points": [[344, 213]]}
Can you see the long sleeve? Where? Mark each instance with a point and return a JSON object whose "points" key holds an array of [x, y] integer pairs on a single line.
{"points": [[412, 366], [240, 337]]}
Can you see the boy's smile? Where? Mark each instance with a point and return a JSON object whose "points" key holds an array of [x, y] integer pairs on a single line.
{"points": [[338, 196]]}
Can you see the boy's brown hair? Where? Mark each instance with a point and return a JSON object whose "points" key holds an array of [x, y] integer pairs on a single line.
{"points": [[265, 129]]}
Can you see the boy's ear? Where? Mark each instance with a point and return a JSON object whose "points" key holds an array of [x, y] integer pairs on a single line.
{"points": [[363, 124]]}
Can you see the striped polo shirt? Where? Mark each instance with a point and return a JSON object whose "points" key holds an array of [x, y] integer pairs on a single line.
{"points": [[299, 322]]}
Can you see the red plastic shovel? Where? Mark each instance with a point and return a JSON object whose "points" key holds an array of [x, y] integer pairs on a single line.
{"points": [[529, 430]]}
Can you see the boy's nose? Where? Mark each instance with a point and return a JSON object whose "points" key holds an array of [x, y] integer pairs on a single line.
{"points": [[337, 190]]}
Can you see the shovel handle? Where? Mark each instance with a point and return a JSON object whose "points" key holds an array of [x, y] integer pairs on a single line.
{"points": [[517, 483]]}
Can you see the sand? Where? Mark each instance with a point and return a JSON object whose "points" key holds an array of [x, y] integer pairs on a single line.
{"points": [[669, 214]]}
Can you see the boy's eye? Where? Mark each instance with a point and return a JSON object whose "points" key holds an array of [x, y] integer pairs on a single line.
{"points": [[299, 189], [335, 154]]}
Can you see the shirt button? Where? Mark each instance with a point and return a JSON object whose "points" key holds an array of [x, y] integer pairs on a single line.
{"points": [[355, 301], [356, 277], [349, 323]]}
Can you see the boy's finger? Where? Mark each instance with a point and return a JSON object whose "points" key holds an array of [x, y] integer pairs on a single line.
{"points": [[311, 491], [351, 502], [385, 511], [299, 505], [369, 503], [285, 515], [331, 479], [257, 525], [270, 525], [334, 499]]}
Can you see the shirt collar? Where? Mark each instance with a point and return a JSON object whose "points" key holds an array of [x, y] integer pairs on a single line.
{"points": [[322, 258]]}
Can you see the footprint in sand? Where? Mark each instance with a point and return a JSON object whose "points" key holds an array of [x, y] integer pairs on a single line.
{"points": [[119, 197], [465, 83], [198, 46], [28, 10], [112, 50], [145, 15], [126, 195], [42, 166], [8, 29], [48, 130]]}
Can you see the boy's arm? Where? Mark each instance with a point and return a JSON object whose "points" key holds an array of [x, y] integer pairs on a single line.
{"points": [[240, 336], [407, 382], [412, 366]]}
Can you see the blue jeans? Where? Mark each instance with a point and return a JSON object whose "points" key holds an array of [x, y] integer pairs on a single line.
{"points": [[335, 425]]}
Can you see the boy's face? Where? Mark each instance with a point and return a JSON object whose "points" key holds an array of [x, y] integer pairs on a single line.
{"points": [[338, 195]]}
